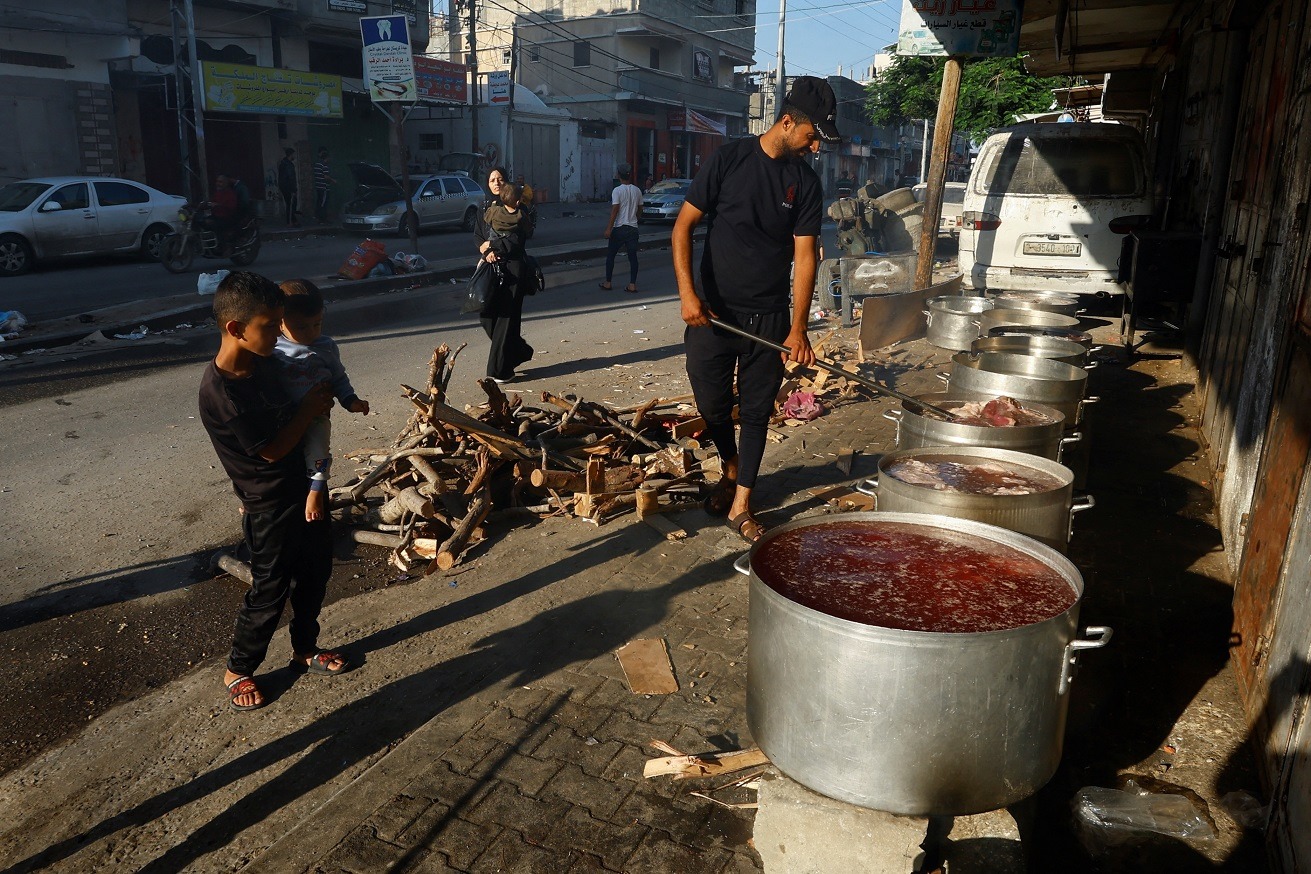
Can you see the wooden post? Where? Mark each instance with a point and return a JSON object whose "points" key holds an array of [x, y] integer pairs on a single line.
{"points": [[938, 171]]}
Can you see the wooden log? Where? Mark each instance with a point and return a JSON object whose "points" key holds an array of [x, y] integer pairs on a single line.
{"points": [[498, 405], [502, 444], [376, 538], [560, 480], [407, 501], [235, 567], [449, 553]]}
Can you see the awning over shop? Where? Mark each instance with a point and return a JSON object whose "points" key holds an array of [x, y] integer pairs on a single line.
{"points": [[1085, 37]]}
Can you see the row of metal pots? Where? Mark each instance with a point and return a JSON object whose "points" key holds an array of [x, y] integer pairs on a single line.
{"points": [[956, 322], [919, 722]]}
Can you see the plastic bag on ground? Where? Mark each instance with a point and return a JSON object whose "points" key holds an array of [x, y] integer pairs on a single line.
{"points": [[12, 323], [1111, 817], [208, 283], [802, 405], [1244, 809]]}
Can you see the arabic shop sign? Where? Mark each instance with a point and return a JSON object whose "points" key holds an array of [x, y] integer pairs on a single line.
{"points": [[388, 60], [963, 28], [441, 80], [243, 88]]}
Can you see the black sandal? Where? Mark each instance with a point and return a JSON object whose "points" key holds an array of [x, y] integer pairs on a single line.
{"points": [[720, 501]]}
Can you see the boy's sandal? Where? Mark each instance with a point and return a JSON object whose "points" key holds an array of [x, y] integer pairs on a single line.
{"points": [[321, 663], [244, 686], [720, 499], [747, 527]]}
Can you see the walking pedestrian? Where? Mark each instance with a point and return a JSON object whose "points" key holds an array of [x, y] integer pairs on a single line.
{"points": [[764, 202], [323, 183], [287, 185], [621, 230], [502, 235]]}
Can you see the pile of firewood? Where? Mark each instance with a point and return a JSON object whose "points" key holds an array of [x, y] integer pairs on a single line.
{"points": [[427, 497]]}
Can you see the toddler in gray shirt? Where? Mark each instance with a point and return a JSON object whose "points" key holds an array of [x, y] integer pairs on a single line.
{"points": [[309, 357]]}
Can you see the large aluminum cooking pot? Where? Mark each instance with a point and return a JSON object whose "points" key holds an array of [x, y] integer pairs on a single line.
{"points": [[1047, 516], [1046, 440], [1023, 377], [1083, 338], [1043, 347], [1047, 301], [953, 321], [994, 317], [911, 722]]}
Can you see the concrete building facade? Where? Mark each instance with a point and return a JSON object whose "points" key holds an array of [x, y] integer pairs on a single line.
{"points": [[653, 83]]}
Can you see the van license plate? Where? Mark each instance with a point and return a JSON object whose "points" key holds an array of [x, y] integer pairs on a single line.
{"points": [[1038, 248]]}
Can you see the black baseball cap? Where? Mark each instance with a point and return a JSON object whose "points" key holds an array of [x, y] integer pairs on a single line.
{"points": [[815, 98]]}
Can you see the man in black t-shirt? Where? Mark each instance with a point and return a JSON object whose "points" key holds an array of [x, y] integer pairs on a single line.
{"points": [[764, 204]]}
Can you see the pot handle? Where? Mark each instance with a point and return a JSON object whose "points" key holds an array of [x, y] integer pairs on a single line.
{"points": [[1065, 442], [945, 377], [743, 564], [1091, 365], [1080, 504], [868, 487], [894, 414], [928, 316], [1093, 350], [1070, 663]]}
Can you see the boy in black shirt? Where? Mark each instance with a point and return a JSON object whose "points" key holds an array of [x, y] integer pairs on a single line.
{"points": [[255, 429], [764, 207]]}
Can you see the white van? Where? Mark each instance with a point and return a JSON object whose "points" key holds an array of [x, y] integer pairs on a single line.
{"points": [[1048, 206]]}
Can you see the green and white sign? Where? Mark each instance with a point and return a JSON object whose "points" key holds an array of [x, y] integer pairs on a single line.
{"points": [[270, 91]]}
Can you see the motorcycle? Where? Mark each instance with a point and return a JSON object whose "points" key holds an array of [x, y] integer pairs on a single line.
{"points": [[199, 237]]}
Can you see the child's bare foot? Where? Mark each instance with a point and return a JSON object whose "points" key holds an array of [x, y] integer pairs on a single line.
{"points": [[316, 506]]}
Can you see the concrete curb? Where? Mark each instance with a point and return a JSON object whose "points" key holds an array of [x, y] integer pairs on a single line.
{"points": [[193, 308]]}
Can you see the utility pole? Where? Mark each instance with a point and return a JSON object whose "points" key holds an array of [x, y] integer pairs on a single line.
{"points": [[411, 218], [780, 86], [198, 114], [473, 67], [509, 111], [180, 89]]}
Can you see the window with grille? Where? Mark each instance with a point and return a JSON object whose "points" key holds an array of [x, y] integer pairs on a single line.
{"points": [[430, 143]]}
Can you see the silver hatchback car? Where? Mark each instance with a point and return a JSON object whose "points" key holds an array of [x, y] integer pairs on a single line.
{"points": [[443, 200]]}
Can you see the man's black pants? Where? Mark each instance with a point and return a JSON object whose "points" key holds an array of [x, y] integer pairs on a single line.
{"points": [[289, 200], [622, 236], [290, 559], [713, 355]]}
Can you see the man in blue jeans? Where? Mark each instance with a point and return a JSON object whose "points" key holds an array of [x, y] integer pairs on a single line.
{"points": [[621, 230]]}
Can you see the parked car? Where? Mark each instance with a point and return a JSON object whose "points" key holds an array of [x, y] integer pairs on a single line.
{"points": [[441, 200], [953, 204], [56, 216], [1047, 207], [663, 200]]}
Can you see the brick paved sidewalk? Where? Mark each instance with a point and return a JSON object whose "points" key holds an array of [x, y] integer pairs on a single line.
{"points": [[543, 771]]}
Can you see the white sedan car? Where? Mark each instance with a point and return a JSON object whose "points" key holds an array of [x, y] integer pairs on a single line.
{"points": [[81, 215]]}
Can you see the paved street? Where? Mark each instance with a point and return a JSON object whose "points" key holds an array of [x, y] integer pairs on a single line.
{"points": [[74, 286]]}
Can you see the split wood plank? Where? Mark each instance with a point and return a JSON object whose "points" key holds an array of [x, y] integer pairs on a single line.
{"points": [[705, 765], [647, 668]]}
